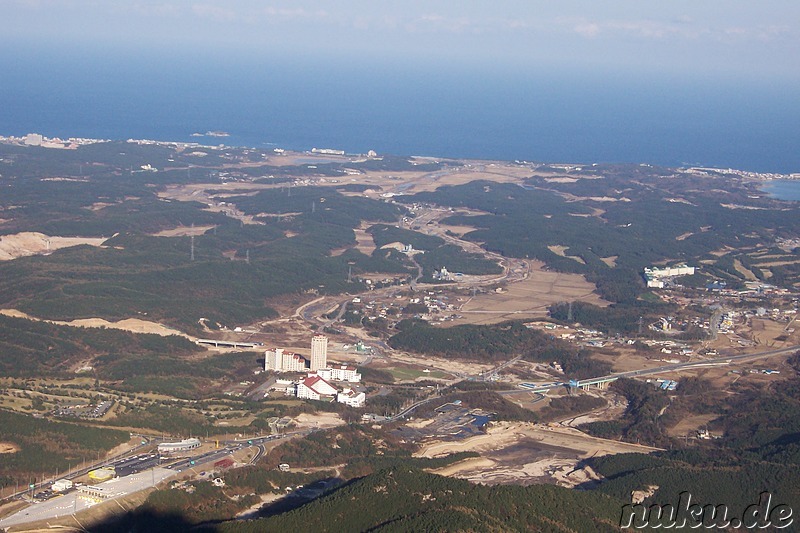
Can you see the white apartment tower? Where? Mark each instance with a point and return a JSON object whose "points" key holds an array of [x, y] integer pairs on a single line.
{"points": [[278, 360], [319, 352]]}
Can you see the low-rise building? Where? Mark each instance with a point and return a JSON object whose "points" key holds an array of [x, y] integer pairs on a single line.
{"points": [[97, 492], [654, 276], [314, 387], [61, 485], [351, 398], [340, 373], [171, 448]]}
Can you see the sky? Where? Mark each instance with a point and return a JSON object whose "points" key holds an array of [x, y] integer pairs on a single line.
{"points": [[692, 37]]}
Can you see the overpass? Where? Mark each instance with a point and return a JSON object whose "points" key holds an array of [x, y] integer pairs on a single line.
{"points": [[600, 383], [229, 344]]}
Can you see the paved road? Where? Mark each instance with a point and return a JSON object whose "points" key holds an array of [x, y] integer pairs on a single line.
{"points": [[136, 473], [70, 503], [685, 366], [408, 410]]}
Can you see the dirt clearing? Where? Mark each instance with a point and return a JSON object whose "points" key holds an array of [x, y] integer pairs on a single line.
{"points": [[8, 447], [133, 325], [522, 453], [32, 243], [562, 251], [183, 231], [318, 420], [529, 297]]}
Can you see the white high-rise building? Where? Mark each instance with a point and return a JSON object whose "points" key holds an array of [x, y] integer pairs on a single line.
{"points": [[319, 352], [33, 139], [278, 360]]}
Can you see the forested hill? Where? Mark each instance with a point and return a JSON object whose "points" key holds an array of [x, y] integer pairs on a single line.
{"points": [[405, 499]]}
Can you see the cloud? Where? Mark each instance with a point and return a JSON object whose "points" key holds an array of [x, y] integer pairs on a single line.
{"points": [[294, 13], [587, 29], [436, 23], [681, 28], [215, 13]]}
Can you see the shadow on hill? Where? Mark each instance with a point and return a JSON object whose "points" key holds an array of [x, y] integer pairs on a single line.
{"points": [[145, 521], [150, 521], [301, 497]]}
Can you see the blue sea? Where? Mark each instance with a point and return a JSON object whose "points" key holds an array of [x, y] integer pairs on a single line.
{"points": [[455, 111], [783, 189]]}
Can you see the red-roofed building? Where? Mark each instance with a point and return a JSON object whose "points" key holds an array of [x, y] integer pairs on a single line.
{"points": [[314, 388]]}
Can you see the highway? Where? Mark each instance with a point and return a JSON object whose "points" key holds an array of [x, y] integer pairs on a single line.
{"points": [[676, 367], [70, 503], [410, 408], [134, 474], [633, 373]]}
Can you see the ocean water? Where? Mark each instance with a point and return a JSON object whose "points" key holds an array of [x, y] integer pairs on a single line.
{"points": [[436, 110], [783, 189]]}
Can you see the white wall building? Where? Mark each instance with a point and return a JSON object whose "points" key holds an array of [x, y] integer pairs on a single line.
{"points": [[351, 398], [182, 446], [314, 388], [33, 139], [61, 485], [340, 373], [319, 352], [279, 360], [654, 275]]}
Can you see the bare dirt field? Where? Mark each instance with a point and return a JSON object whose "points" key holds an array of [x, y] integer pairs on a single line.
{"points": [[611, 261], [8, 447], [625, 359], [768, 332], [318, 420], [416, 181], [32, 243], [562, 251], [299, 158], [134, 325], [198, 192], [447, 366], [364, 241], [523, 453], [690, 424], [183, 231], [743, 270], [383, 182], [458, 230], [529, 297]]}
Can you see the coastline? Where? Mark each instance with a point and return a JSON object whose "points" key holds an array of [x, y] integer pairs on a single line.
{"points": [[72, 143]]}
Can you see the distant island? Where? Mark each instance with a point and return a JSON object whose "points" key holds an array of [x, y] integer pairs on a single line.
{"points": [[212, 134]]}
